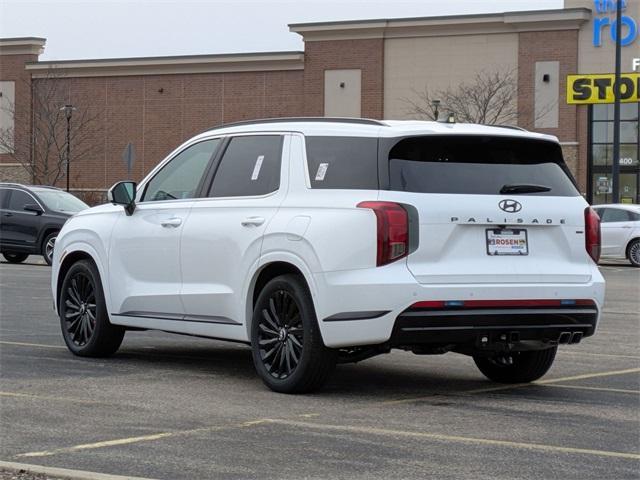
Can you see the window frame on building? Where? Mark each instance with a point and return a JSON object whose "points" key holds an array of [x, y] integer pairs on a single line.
{"points": [[597, 169]]}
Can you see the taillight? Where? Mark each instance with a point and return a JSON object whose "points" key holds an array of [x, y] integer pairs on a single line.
{"points": [[393, 230], [592, 233]]}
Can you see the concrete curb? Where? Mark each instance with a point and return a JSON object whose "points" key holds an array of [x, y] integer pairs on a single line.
{"points": [[63, 472]]}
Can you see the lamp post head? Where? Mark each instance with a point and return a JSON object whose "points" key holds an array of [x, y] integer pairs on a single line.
{"points": [[435, 104], [68, 111]]}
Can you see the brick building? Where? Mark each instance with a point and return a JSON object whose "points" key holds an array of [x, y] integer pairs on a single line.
{"points": [[354, 68]]}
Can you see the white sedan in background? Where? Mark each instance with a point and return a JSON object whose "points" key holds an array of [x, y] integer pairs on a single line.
{"points": [[620, 226]]}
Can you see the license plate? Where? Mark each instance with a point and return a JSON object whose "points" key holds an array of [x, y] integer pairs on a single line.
{"points": [[507, 241]]}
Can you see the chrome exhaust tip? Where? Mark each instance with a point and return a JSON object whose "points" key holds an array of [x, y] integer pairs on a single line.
{"points": [[575, 338], [565, 338]]}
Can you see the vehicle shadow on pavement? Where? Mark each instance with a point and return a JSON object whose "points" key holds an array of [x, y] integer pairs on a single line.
{"points": [[355, 380], [26, 263], [613, 263], [234, 361]]}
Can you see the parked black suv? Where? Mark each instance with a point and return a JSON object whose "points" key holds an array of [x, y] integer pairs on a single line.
{"points": [[30, 219]]}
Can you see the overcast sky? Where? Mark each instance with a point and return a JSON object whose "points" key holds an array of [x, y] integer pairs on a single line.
{"points": [[136, 28]]}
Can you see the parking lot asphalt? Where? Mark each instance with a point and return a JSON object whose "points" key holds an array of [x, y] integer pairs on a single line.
{"points": [[174, 407]]}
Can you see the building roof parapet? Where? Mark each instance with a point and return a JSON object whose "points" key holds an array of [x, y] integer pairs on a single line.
{"points": [[507, 22]]}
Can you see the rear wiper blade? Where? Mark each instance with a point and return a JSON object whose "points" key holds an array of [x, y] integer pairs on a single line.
{"points": [[524, 188]]}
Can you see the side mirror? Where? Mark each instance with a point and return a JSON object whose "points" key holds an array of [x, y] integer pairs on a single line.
{"points": [[123, 193], [34, 207]]}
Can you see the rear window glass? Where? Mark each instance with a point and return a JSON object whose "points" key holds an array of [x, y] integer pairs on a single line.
{"points": [[480, 165], [343, 162], [250, 166]]}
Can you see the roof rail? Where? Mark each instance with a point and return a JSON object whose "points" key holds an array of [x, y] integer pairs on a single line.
{"points": [[360, 121], [511, 127]]}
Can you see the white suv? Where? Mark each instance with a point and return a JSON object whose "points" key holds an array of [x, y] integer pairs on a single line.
{"points": [[323, 241]]}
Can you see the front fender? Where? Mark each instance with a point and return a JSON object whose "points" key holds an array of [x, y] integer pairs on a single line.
{"points": [[90, 235]]}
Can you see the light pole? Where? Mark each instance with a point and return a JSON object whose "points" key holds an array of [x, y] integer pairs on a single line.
{"points": [[68, 112], [615, 173]]}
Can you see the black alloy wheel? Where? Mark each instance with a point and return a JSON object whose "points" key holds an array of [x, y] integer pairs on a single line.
{"points": [[80, 311], [288, 352], [83, 313], [281, 336]]}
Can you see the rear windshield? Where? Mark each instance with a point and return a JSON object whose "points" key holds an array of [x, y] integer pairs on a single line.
{"points": [[481, 165]]}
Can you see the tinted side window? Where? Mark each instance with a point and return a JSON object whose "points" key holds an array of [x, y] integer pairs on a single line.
{"points": [[4, 195], [249, 166], [19, 199], [343, 162], [180, 177], [479, 165], [615, 215]]}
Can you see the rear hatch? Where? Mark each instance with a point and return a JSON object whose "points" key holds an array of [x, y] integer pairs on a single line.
{"points": [[491, 209]]}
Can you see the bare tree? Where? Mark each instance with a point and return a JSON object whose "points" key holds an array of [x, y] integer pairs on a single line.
{"points": [[490, 98], [42, 153]]}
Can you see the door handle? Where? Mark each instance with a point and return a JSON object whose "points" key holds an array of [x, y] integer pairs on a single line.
{"points": [[8, 214], [171, 222], [626, 226], [252, 222]]}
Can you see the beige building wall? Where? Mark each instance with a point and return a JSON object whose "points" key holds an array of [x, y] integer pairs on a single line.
{"points": [[602, 59], [411, 64]]}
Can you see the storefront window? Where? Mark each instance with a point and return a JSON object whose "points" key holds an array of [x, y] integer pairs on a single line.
{"points": [[601, 144]]}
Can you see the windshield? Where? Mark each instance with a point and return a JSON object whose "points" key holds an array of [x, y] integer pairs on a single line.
{"points": [[61, 201], [485, 165]]}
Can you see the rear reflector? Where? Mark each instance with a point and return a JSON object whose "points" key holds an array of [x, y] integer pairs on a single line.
{"points": [[592, 233], [392, 231], [461, 304]]}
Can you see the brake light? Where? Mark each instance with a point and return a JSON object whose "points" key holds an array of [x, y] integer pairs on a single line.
{"points": [[393, 230], [592, 233]]}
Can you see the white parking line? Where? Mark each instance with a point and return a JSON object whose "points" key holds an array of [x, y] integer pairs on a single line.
{"points": [[142, 438], [456, 439]]}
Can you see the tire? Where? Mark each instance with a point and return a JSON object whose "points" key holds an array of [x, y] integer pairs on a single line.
{"points": [[526, 366], [633, 252], [83, 313], [47, 247], [288, 352], [15, 257]]}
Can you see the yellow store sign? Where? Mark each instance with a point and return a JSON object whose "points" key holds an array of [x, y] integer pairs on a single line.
{"points": [[589, 89]]}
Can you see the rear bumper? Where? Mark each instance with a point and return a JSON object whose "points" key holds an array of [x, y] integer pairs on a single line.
{"points": [[386, 293], [492, 329]]}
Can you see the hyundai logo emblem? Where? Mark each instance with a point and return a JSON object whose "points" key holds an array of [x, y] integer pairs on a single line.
{"points": [[510, 206]]}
